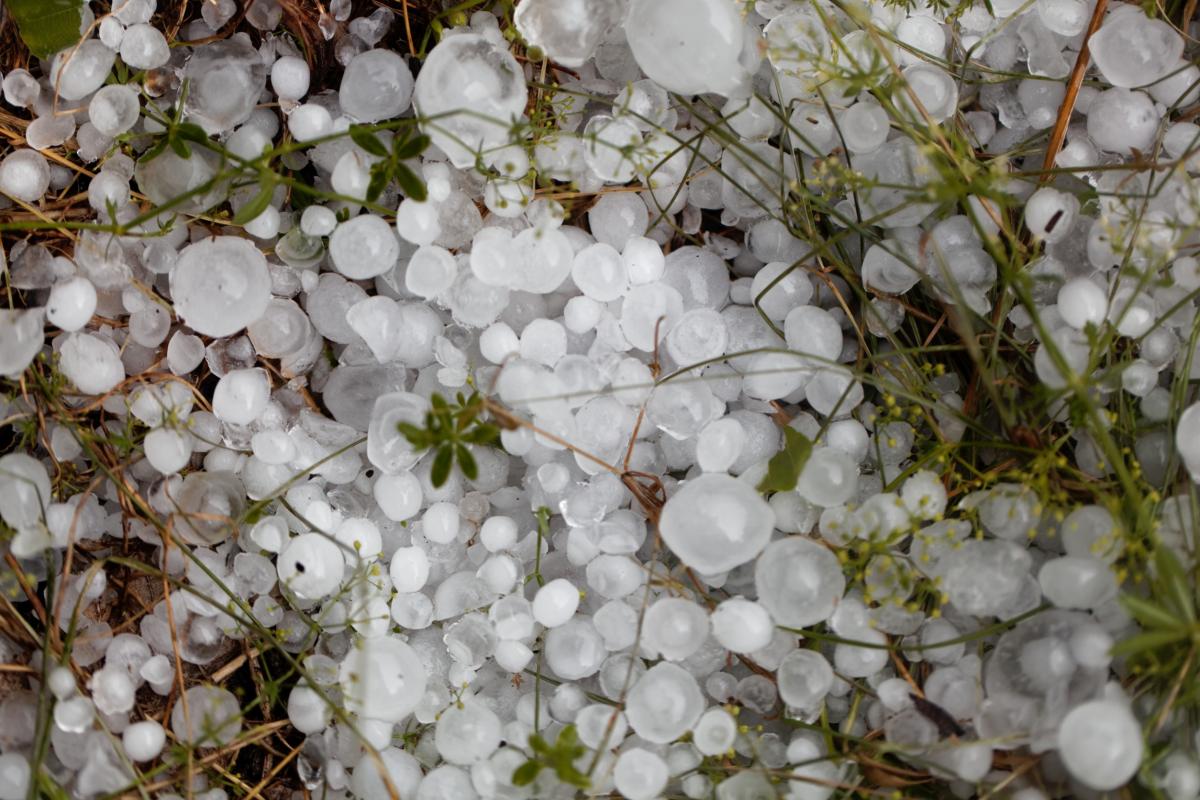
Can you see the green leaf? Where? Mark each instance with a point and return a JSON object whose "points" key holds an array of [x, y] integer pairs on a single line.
{"points": [[1178, 590], [191, 132], [410, 148], [47, 26], [538, 744], [258, 204], [784, 468], [466, 462], [417, 437], [1146, 642], [438, 403], [440, 473], [368, 141], [1150, 615], [410, 183], [179, 146], [380, 175], [483, 433], [526, 773]]}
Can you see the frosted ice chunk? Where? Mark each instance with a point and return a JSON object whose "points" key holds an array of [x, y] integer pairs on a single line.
{"points": [[20, 339], [799, 581], [1100, 743], [714, 523], [225, 79], [690, 46], [376, 85], [78, 71], [92, 362], [220, 285], [664, 704], [363, 247], [24, 175], [568, 31], [1131, 49], [213, 717], [470, 90]]}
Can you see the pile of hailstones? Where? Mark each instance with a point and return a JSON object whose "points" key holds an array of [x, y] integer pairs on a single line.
{"points": [[414, 610]]}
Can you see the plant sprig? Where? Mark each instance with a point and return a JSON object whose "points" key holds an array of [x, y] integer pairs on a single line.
{"points": [[559, 757], [449, 431]]}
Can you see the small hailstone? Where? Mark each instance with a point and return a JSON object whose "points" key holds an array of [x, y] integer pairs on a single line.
{"points": [[376, 85], [804, 678], [715, 732], [24, 175], [430, 272], [1100, 743], [14, 776], [309, 121], [498, 534], [311, 566], [168, 450], [555, 603], [241, 396], [498, 343], [91, 362], [363, 247], [144, 47], [143, 741], [714, 523], [308, 711], [213, 717], [741, 626], [409, 569], [440, 523], [399, 496], [318, 221], [220, 285], [798, 581], [467, 733], [664, 703], [640, 774], [1050, 214], [289, 77], [71, 303], [719, 444], [675, 628]]}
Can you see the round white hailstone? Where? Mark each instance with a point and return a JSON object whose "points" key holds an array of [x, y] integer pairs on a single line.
{"points": [[924, 495], [440, 523], [467, 732], [71, 303], [715, 732], [714, 523], [360, 539], [865, 127], [309, 121], [91, 362], [798, 581], [675, 628], [430, 272], [318, 221], [804, 678], [213, 717], [1081, 582], [1121, 121], [498, 534], [289, 77], [399, 496], [934, 88], [640, 774], [555, 603], [382, 679], [664, 704], [829, 477], [220, 285], [112, 690], [688, 47], [1131, 49], [14, 776], [78, 71], [498, 343], [265, 225], [600, 272], [741, 625], [417, 222], [241, 395], [544, 341], [582, 314], [1050, 214], [813, 332], [21, 338], [409, 569], [1100, 743], [24, 175], [61, 682], [144, 47], [168, 450], [144, 740], [575, 649], [363, 247], [403, 775], [114, 109], [644, 260], [311, 566], [720, 444], [779, 287], [376, 85], [1082, 302], [307, 711], [473, 88]]}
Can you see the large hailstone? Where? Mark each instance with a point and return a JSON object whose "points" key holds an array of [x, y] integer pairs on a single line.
{"points": [[715, 523], [568, 31], [468, 94], [799, 581], [220, 285], [1100, 743], [689, 46], [382, 679]]}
